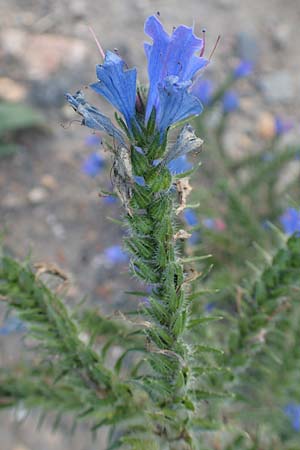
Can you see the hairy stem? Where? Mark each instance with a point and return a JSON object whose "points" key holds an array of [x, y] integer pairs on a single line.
{"points": [[155, 261]]}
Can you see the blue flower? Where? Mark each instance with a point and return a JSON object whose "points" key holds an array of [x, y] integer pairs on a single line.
{"points": [[117, 85], [230, 101], [190, 217], [282, 126], [93, 164], [110, 199], [92, 118], [290, 221], [186, 142], [209, 223], [12, 325], [195, 238], [179, 165], [139, 180], [175, 103], [93, 140], [172, 64], [292, 411], [209, 307], [243, 69], [115, 255], [203, 89]]}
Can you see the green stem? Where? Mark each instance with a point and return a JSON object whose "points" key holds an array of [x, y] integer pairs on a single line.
{"points": [[155, 262]]}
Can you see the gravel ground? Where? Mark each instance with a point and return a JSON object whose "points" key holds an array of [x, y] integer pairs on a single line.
{"points": [[47, 206]]}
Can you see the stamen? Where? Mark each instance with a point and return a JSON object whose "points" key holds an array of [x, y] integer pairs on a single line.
{"points": [[158, 13], [204, 42], [215, 46], [97, 42], [139, 102]]}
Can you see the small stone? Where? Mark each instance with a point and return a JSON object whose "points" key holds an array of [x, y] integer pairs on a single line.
{"points": [[83, 337], [78, 9], [11, 91], [50, 92], [49, 182], [225, 4], [247, 47], [12, 42], [278, 87], [247, 105], [37, 195], [12, 201], [244, 142], [20, 413], [281, 37], [57, 228], [266, 126], [20, 447], [46, 53]]}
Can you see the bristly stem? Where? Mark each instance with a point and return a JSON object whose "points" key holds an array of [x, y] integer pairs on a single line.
{"points": [[154, 260]]}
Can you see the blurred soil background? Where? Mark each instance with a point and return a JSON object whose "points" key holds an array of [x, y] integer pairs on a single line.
{"points": [[48, 207]]}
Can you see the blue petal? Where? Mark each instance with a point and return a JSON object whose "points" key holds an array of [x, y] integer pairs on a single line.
{"points": [[231, 101], [93, 140], [290, 221], [92, 118], [118, 85], [115, 255], [12, 325], [203, 89], [139, 180], [110, 199], [244, 69], [292, 411], [195, 238], [175, 103], [282, 126], [155, 54], [93, 164], [190, 217], [169, 56], [179, 165]]}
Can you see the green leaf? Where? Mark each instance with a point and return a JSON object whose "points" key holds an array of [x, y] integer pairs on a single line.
{"points": [[207, 349], [17, 116], [202, 320], [9, 149]]}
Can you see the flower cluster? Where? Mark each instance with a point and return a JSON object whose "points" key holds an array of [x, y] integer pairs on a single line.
{"points": [[174, 63]]}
